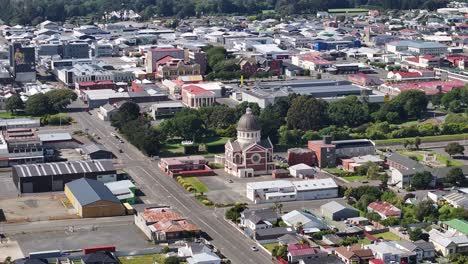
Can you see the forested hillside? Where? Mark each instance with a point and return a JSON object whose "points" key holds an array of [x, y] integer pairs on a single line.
{"points": [[35, 11]]}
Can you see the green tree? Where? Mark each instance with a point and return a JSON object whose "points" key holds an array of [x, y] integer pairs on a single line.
{"points": [[455, 176], [37, 105], [14, 103], [421, 180], [307, 113], [59, 99], [128, 111], [171, 260], [426, 210], [348, 112], [454, 148], [415, 234]]}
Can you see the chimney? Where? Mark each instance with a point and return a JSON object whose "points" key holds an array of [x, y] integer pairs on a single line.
{"points": [[348, 248]]}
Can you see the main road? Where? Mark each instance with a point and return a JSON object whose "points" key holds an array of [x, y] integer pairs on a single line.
{"points": [[160, 189]]}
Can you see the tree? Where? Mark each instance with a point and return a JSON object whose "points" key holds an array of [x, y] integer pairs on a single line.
{"points": [[59, 99], [426, 210], [455, 176], [171, 260], [37, 105], [14, 103], [278, 207], [454, 148], [234, 212], [417, 142], [127, 112], [348, 112], [421, 180], [415, 234], [299, 226], [307, 113]]}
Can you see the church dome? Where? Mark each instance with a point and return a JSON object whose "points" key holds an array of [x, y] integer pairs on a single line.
{"points": [[248, 122]]}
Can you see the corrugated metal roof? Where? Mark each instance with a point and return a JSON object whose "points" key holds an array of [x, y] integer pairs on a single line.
{"points": [[59, 168], [87, 191]]}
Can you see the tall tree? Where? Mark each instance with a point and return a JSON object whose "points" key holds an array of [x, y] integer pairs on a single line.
{"points": [[14, 103], [37, 105], [307, 113], [454, 148]]}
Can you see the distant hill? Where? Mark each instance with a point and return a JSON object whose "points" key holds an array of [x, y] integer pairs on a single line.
{"points": [[36, 11]]}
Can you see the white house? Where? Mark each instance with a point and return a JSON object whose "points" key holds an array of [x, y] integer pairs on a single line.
{"points": [[204, 258], [448, 243]]}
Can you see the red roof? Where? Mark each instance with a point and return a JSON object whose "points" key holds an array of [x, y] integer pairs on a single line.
{"points": [[385, 208], [165, 49], [164, 60], [407, 74], [160, 214], [96, 83], [301, 250], [429, 87], [376, 261], [196, 90]]}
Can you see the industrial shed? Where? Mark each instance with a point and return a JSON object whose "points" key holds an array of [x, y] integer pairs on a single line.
{"points": [[48, 177], [92, 198], [97, 151], [338, 212]]}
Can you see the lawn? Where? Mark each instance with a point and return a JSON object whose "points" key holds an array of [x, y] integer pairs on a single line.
{"points": [[333, 170], [173, 147], [453, 162], [410, 154], [197, 184], [355, 178], [397, 141], [143, 259], [9, 115], [270, 246], [364, 241], [387, 236]]}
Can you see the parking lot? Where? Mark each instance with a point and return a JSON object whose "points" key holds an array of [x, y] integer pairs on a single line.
{"points": [[36, 208], [125, 237], [7, 187]]}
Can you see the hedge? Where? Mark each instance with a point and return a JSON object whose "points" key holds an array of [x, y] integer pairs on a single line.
{"points": [[191, 149]]}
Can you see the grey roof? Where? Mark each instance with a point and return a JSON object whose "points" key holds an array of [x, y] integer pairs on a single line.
{"points": [[279, 231], [55, 137], [248, 122], [92, 148], [60, 168], [334, 207], [88, 191], [412, 165], [99, 258], [19, 121], [424, 245], [31, 261], [407, 244], [259, 215], [308, 220]]}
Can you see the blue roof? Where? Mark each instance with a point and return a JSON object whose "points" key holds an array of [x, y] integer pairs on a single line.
{"points": [[88, 191]]}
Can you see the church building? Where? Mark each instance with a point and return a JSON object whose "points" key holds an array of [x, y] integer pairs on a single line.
{"points": [[249, 155]]}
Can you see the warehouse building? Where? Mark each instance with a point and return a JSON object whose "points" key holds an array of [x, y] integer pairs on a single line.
{"points": [[91, 198], [48, 177], [338, 212], [123, 190], [97, 151]]}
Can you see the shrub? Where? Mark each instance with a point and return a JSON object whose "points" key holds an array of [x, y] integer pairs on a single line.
{"points": [[207, 202], [186, 185], [179, 178], [59, 119], [191, 149], [190, 189]]}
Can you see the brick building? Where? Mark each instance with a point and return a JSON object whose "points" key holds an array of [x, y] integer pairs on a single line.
{"points": [[249, 154], [301, 155], [185, 166]]}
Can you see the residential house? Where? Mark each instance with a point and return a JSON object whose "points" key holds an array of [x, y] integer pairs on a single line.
{"points": [[162, 224], [256, 219], [204, 258], [304, 251], [271, 235], [191, 249], [309, 222], [99, 258], [384, 209], [424, 250], [288, 239], [331, 239], [354, 254], [449, 243], [364, 79], [338, 212], [389, 252], [457, 226], [403, 169]]}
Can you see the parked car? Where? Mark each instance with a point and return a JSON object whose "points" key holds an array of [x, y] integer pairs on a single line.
{"points": [[254, 248]]}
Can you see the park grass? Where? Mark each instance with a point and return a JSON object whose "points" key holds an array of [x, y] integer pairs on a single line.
{"points": [[199, 186], [270, 246], [143, 259], [397, 141], [173, 146], [355, 178], [387, 236]]}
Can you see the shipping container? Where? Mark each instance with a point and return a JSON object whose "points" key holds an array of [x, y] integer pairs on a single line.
{"points": [[108, 248]]}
